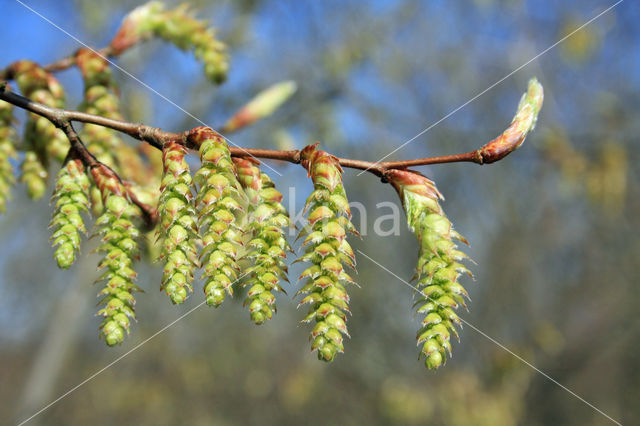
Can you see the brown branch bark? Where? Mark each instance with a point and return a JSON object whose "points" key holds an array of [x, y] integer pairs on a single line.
{"points": [[157, 137]]}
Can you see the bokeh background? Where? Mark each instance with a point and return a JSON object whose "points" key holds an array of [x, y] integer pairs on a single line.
{"points": [[554, 228]]}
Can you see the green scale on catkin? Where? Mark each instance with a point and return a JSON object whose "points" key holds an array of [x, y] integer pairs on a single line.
{"points": [[219, 203], [71, 200], [178, 224], [327, 249], [7, 153], [438, 268], [267, 246], [118, 235]]}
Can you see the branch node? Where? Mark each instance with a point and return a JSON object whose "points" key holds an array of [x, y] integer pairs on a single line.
{"points": [[58, 118], [478, 158], [152, 135]]}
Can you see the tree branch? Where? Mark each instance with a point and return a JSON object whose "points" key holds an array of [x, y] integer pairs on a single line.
{"points": [[157, 137], [78, 150]]}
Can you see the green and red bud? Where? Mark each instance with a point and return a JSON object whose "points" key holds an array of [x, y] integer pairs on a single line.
{"points": [[262, 105], [523, 122]]}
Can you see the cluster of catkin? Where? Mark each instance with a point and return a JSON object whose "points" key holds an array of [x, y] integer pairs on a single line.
{"points": [[228, 221], [96, 187], [43, 141], [224, 224]]}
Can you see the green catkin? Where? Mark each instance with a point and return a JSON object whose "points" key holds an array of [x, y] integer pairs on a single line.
{"points": [[118, 244], [71, 200], [7, 152], [236, 207], [178, 224], [328, 250], [268, 245], [220, 200], [40, 133], [438, 266], [99, 99], [41, 136], [34, 175], [178, 27], [7, 179]]}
